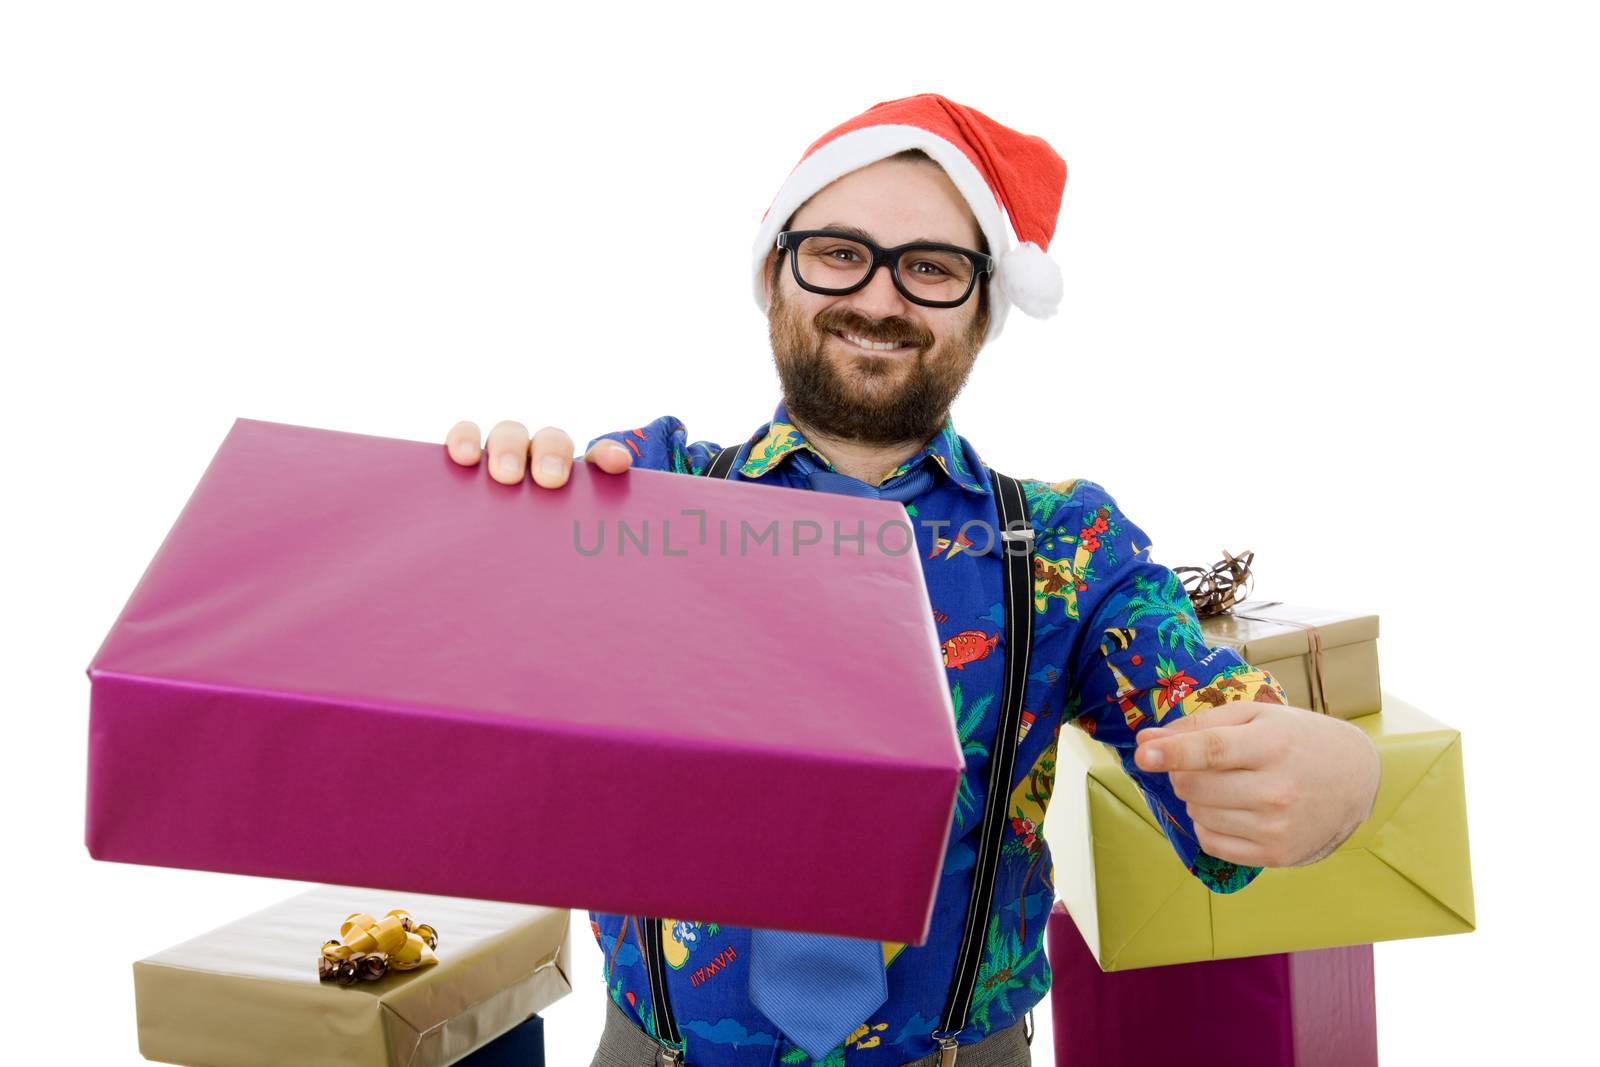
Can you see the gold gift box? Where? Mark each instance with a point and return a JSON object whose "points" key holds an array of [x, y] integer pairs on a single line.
{"points": [[1277, 638], [248, 993], [1404, 872]]}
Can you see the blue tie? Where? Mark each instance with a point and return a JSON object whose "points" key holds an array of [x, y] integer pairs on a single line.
{"points": [[818, 988]]}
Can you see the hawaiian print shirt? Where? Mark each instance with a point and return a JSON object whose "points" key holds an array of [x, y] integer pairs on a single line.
{"points": [[1117, 647]]}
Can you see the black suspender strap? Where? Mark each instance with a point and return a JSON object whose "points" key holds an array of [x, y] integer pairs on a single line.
{"points": [[721, 463], [667, 1033], [671, 1052], [1016, 535]]}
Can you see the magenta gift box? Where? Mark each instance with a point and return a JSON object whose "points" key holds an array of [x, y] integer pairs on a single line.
{"points": [[1291, 1009], [354, 661]]}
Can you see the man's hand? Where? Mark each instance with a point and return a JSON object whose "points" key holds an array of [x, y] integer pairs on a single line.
{"points": [[1267, 785], [508, 448]]}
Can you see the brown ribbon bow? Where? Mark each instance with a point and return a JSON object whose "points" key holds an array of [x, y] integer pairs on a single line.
{"points": [[1215, 591]]}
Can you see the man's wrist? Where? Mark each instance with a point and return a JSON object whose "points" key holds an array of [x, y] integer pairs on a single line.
{"points": [[1365, 813], [1329, 848]]}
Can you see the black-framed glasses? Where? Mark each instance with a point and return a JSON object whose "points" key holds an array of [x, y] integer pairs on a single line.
{"points": [[835, 263]]}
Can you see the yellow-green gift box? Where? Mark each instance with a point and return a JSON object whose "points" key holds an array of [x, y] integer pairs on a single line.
{"points": [[1403, 873], [248, 995]]}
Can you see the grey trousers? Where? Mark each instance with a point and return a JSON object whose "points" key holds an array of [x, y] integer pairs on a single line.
{"points": [[624, 1044]]}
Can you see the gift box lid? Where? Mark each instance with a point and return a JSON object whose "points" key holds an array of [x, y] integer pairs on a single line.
{"points": [[338, 621], [1266, 630], [325, 563]]}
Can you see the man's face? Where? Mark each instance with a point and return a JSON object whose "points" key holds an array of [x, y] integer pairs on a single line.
{"points": [[842, 389]]}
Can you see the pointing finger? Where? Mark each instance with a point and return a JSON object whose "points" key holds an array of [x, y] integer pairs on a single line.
{"points": [[1232, 713], [1219, 748]]}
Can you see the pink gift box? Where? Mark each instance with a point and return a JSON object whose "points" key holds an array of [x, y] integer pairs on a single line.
{"points": [[1289, 1009], [354, 661]]}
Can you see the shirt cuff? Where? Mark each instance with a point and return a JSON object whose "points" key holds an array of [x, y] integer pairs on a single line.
{"points": [[1220, 876]]}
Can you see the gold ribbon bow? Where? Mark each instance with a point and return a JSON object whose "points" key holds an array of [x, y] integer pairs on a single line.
{"points": [[368, 948], [1215, 590]]}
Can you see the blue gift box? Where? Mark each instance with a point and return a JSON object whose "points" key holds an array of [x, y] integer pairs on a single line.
{"points": [[521, 1046]]}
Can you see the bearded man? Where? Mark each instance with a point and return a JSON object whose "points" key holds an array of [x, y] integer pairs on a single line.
{"points": [[887, 261]]}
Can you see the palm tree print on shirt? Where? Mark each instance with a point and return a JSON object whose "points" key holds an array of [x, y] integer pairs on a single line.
{"points": [[966, 723], [1003, 962], [1170, 604]]}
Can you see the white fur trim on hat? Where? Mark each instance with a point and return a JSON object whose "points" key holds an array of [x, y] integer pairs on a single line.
{"points": [[1027, 273], [1031, 280]]}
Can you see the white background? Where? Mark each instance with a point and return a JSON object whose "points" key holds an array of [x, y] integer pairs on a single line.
{"points": [[1330, 295]]}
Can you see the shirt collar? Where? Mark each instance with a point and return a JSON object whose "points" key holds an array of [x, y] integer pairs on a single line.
{"points": [[954, 455]]}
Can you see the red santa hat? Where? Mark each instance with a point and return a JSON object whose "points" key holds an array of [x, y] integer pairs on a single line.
{"points": [[1004, 176]]}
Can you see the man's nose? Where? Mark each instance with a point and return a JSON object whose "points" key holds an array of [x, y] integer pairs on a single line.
{"points": [[879, 299]]}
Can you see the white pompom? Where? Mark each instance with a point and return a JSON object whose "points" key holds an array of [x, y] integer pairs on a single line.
{"points": [[1031, 279]]}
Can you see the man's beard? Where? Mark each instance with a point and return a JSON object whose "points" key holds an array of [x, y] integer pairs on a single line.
{"points": [[831, 403]]}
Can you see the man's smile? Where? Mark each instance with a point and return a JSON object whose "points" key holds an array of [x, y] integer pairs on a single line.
{"points": [[880, 347]]}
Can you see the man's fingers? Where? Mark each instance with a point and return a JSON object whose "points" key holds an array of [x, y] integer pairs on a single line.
{"points": [[609, 456], [1232, 713], [1223, 789], [508, 451], [1235, 822], [1214, 749], [1231, 849], [552, 457], [546, 455], [462, 443]]}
